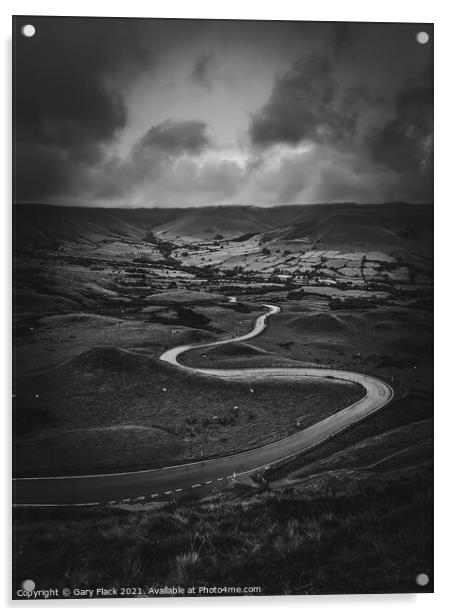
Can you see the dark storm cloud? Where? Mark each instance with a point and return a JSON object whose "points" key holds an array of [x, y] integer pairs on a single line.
{"points": [[298, 112], [66, 104], [164, 159], [175, 138], [40, 170], [202, 71], [368, 136], [304, 106], [341, 37], [405, 141]]}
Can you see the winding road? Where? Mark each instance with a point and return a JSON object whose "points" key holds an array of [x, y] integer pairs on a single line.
{"points": [[185, 478]]}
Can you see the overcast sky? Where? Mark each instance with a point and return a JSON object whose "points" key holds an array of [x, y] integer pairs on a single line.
{"points": [[180, 113]]}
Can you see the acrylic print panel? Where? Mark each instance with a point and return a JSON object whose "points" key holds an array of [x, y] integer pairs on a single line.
{"points": [[222, 308]]}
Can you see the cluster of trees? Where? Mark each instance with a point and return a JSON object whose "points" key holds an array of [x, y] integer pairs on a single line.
{"points": [[164, 246], [204, 271]]}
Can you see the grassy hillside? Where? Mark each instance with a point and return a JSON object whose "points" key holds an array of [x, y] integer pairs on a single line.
{"points": [[352, 516], [391, 226], [47, 226], [347, 532], [386, 226], [107, 409]]}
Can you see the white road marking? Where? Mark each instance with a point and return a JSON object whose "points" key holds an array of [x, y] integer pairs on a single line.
{"points": [[196, 485]]}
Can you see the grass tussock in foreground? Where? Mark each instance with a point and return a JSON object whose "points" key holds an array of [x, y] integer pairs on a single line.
{"points": [[372, 534]]}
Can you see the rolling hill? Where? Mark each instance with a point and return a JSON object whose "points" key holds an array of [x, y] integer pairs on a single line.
{"points": [[47, 226], [387, 226], [229, 221]]}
